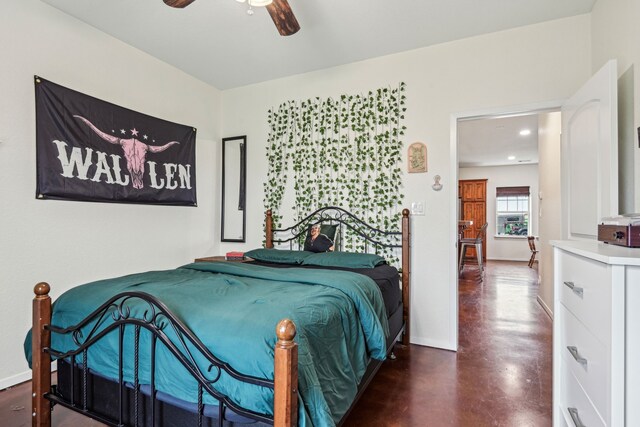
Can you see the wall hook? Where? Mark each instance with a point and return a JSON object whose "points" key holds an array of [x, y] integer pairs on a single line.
{"points": [[436, 183]]}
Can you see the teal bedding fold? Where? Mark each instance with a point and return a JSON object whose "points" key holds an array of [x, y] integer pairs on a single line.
{"points": [[233, 308]]}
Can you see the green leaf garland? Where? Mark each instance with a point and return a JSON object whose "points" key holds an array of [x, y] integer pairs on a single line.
{"points": [[342, 152]]}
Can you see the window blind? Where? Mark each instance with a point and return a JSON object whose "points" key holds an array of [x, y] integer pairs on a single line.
{"points": [[512, 191]]}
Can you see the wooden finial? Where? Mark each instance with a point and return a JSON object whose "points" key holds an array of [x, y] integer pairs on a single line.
{"points": [[42, 289], [268, 229], [405, 212], [285, 384], [286, 330]]}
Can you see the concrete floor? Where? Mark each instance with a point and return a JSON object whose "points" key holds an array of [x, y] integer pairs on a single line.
{"points": [[500, 376]]}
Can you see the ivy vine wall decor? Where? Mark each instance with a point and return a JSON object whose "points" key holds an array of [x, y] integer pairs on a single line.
{"points": [[342, 152]]}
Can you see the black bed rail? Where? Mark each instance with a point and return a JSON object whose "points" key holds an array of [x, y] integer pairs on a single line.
{"points": [[116, 315], [338, 216]]}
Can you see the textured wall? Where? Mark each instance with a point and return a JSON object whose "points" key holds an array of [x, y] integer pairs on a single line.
{"points": [[69, 243]]}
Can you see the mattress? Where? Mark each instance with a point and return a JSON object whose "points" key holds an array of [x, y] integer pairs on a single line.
{"points": [[386, 277]]}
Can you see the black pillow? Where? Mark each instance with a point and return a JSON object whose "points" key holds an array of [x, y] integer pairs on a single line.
{"points": [[325, 240]]}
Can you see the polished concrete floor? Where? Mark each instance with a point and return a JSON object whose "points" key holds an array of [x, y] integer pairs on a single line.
{"points": [[500, 376]]}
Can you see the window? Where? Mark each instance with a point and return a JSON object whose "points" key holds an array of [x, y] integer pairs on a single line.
{"points": [[512, 211]]}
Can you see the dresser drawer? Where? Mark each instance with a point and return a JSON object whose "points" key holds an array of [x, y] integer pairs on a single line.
{"points": [[573, 398], [588, 360], [585, 289]]}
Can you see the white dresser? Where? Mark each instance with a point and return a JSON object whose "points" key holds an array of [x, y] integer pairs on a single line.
{"points": [[596, 335]]}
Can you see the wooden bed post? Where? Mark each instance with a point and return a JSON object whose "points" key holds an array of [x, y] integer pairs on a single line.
{"points": [[285, 401], [406, 274], [41, 360], [269, 230]]}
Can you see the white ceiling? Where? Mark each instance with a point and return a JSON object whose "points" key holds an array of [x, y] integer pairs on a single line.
{"points": [[490, 141], [218, 43]]}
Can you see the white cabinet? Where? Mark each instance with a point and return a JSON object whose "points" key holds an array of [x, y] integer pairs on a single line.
{"points": [[596, 335]]}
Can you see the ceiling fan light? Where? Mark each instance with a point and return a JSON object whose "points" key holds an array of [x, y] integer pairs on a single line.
{"points": [[241, 1], [259, 3]]}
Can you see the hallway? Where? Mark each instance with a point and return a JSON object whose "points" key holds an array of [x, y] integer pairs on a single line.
{"points": [[500, 376]]}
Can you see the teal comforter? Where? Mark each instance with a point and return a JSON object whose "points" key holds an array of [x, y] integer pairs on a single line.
{"points": [[233, 308]]}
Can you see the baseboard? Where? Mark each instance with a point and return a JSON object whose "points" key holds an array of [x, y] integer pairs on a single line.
{"points": [[21, 377], [444, 345], [508, 259], [15, 379], [545, 307]]}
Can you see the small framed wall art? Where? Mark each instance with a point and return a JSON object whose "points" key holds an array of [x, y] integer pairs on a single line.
{"points": [[417, 157]]}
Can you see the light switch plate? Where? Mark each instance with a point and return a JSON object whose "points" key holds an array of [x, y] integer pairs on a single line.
{"points": [[417, 208]]}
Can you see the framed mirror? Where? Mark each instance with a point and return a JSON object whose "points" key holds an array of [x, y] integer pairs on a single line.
{"points": [[234, 180]]}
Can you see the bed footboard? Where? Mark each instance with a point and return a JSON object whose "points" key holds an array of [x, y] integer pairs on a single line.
{"points": [[285, 383]]}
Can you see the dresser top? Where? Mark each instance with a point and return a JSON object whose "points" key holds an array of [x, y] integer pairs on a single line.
{"points": [[609, 254]]}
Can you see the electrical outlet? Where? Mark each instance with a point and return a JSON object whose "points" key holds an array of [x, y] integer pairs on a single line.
{"points": [[417, 208]]}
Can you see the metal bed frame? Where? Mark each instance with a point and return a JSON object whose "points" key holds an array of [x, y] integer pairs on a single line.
{"points": [[158, 320], [294, 236]]}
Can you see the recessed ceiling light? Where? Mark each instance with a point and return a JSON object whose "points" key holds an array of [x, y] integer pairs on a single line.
{"points": [[511, 157], [525, 132]]}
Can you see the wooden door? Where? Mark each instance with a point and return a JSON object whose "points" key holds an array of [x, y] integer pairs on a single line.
{"points": [[590, 155], [474, 208], [474, 190]]}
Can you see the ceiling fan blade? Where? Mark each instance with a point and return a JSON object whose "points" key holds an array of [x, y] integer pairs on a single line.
{"points": [[178, 3], [283, 17]]}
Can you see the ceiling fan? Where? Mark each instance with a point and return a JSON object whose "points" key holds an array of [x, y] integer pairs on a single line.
{"points": [[280, 12]]}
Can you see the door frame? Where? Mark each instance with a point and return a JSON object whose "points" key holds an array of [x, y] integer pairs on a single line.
{"points": [[495, 112]]}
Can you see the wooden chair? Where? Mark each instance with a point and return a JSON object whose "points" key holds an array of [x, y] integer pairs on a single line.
{"points": [[534, 251], [475, 244]]}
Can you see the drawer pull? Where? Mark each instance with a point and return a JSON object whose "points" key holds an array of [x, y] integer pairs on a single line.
{"points": [[576, 290], [574, 352], [574, 416]]}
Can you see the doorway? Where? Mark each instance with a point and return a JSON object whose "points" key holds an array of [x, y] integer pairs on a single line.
{"points": [[501, 241]]}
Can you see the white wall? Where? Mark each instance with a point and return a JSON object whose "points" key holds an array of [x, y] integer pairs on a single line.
{"points": [[69, 243], [616, 35], [530, 64], [550, 204], [506, 248]]}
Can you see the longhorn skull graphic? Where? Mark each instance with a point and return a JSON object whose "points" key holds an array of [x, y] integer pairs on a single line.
{"points": [[135, 151]]}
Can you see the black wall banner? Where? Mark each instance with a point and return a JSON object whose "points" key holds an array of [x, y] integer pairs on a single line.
{"points": [[92, 150]]}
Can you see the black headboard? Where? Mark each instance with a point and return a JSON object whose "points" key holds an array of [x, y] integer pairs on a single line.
{"points": [[348, 225]]}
